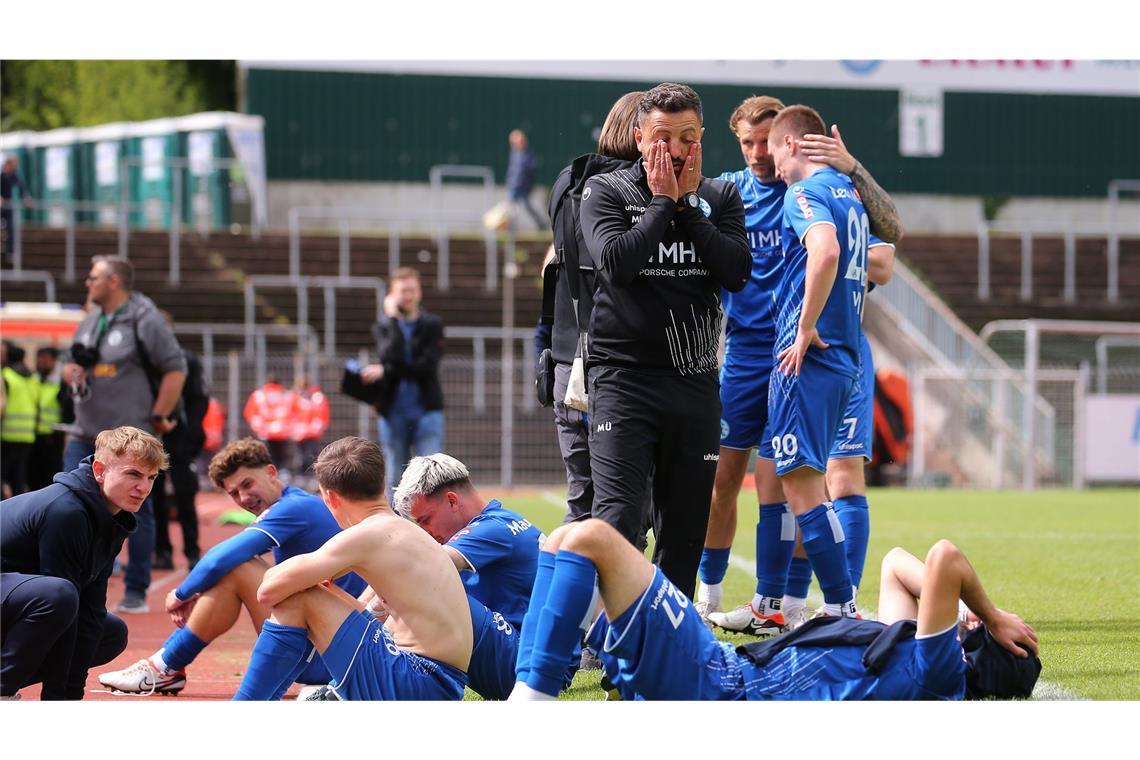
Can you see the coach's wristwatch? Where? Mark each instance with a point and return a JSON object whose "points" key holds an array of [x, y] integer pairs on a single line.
{"points": [[692, 200]]}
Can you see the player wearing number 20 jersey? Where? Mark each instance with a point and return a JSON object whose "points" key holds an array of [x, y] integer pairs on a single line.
{"points": [[805, 410]]}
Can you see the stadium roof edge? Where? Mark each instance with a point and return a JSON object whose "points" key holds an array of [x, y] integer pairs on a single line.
{"points": [[206, 120]]}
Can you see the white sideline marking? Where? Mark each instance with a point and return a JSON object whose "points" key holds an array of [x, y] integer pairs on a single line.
{"points": [[556, 500], [167, 580]]}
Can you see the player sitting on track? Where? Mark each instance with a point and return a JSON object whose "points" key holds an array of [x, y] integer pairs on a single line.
{"points": [[209, 602], [425, 647], [494, 549], [657, 647]]}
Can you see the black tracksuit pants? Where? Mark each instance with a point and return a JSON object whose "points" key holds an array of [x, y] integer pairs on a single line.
{"points": [[37, 615], [667, 425]]}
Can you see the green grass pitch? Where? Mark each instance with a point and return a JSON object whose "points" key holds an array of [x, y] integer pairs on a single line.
{"points": [[1066, 561]]}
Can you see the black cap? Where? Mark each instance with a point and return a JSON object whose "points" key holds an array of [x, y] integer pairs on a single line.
{"points": [[994, 672]]}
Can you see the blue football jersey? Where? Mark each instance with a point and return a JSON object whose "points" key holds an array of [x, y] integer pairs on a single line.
{"points": [[750, 315], [826, 197], [300, 523], [501, 547]]}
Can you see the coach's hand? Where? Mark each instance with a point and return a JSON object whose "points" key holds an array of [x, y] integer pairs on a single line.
{"points": [[792, 357], [1012, 632], [659, 172], [690, 178], [180, 610], [829, 150]]}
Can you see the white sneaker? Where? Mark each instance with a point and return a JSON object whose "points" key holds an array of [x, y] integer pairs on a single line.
{"points": [[795, 617], [144, 678], [703, 609], [744, 619]]}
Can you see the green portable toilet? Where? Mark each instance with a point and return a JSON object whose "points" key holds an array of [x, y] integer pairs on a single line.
{"points": [[206, 181], [102, 180], [151, 145], [56, 163]]}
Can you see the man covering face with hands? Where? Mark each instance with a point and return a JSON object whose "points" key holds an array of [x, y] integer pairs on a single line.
{"points": [[664, 241]]}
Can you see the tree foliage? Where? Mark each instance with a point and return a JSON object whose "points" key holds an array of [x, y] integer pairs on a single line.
{"points": [[40, 95]]}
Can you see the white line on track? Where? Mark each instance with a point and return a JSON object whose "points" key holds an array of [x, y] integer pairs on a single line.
{"points": [[167, 580]]}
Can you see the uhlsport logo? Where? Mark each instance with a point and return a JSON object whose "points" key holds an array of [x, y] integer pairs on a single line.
{"points": [[586, 193]]}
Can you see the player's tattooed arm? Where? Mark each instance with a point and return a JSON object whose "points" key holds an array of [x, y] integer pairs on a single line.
{"points": [[881, 211]]}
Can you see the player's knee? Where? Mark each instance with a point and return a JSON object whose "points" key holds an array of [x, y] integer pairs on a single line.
{"points": [[58, 600], [942, 553], [554, 540], [292, 610], [590, 538]]}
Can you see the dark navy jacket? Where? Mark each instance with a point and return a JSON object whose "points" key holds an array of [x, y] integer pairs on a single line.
{"points": [[67, 531]]}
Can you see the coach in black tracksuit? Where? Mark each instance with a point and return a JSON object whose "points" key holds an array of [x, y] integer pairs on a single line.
{"points": [[664, 242]]}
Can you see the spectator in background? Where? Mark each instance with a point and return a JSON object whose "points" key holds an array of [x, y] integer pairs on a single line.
{"points": [[311, 422], [10, 180], [182, 446], [270, 411], [409, 341], [47, 452], [18, 423], [124, 368], [214, 430], [520, 179]]}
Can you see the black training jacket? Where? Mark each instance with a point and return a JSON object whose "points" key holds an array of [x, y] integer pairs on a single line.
{"points": [[67, 531], [660, 270]]}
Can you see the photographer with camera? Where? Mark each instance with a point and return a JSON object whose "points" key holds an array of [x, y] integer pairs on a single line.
{"points": [[124, 368]]}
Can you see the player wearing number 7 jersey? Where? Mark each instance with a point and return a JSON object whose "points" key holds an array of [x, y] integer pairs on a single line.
{"points": [[825, 236]]}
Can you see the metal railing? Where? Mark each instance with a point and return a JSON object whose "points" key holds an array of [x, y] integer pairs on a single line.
{"points": [[1103, 343], [207, 331], [1033, 433], [952, 346], [441, 224], [1068, 232], [301, 286], [34, 275]]}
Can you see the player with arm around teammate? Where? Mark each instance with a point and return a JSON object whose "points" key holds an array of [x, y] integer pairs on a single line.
{"points": [[209, 602], [750, 334], [423, 649], [657, 648]]}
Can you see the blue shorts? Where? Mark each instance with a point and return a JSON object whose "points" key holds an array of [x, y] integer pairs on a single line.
{"points": [[744, 401], [495, 649], [367, 665], [857, 428], [662, 650], [938, 667], [804, 413]]}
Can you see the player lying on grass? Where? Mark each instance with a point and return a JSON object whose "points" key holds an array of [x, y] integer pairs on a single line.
{"points": [[426, 645], [657, 647], [289, 521]]}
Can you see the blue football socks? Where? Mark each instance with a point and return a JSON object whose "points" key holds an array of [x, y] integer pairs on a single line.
{"points": [[276, 655], [714, 565], [856, 521], [567, 602], [181, 648], [775, 542], [538, 594], [799, 578], [824, 545]]}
